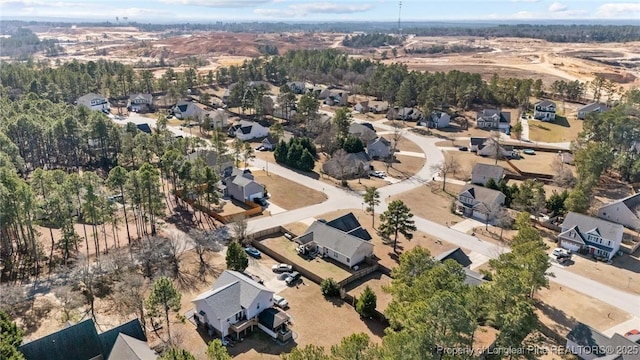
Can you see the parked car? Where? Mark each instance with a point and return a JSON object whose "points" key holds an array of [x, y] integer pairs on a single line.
{"points": [[632, 332], [260, 148], [378, 174], [560, 252], [283, 276], [529, 151], [282, 268], [253, 252], [463, 148], [260, 201], [280, 302], [293, 278]]}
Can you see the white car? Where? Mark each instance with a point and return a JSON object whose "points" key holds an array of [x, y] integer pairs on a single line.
{"points": [[378, 174], [560, 252], [280, 302], [282, 268]]}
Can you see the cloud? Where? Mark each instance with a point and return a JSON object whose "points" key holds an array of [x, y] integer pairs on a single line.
{"points": [[523, 15], [35, 3], [619, 10], [302, 10], [526, 1], [219, 3], [557, 7]]}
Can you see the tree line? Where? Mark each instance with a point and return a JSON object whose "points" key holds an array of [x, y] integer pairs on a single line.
{"points": [[21, 43], [371, 40]]}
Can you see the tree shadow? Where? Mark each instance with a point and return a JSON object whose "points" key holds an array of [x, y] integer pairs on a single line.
{"points": [[335, 301], [557, 315], [376, 325], [562, 121], [32, 319]]}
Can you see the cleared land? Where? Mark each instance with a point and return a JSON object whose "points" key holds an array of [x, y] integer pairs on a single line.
{"points": [[375, 281], [563, 129], [288, 194], [430, 202]]}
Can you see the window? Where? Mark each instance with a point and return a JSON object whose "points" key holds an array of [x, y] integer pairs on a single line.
{"points": [[348, 260], [258, 307], [609, 243]]}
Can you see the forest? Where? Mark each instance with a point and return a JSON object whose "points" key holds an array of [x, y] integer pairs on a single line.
{"points": [[442, 49], [371, 40], [22, 43]]}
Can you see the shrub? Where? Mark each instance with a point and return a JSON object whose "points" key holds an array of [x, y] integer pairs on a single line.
{"points": [[366, 304], [330, 287]]}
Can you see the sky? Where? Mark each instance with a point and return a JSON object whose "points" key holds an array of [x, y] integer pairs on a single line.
{"points": [[180, 11]]}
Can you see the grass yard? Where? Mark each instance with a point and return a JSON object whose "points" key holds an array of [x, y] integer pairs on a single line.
{"points": [[405, 144], [561, 315], [562, 129], [318, 266], [287, 194], [375, 281], [431, 203], [538, 163], [404, 167]]}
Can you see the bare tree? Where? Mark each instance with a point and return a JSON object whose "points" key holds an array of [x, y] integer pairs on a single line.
{"points": [[503, 220], [128, 296], [495, 142], [117, 263], [150, 255], [69, 299], [341, 158], [449, 166], [175, 246], [203, 242], [239, 229], [563, 176], [13, 299]]}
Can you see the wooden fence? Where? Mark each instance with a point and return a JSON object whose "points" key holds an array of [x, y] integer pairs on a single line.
{"points": [[254, 209], [359, 274]]}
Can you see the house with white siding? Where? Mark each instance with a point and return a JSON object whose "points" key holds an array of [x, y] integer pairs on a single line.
{"points": [[625, 212], [586, 234]]}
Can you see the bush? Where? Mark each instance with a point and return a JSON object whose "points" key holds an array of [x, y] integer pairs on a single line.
{"points": [[330, 287], [366, 304]]}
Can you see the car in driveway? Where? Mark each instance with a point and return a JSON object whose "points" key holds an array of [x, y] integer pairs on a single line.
{"points": [[278, 268], [560, 252], [261, 201], [253, 252], [293, 278], [378, 174], [280, 302], [463, 148]]}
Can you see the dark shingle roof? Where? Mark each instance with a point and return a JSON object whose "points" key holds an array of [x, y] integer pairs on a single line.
{"points": [[477, 140], [132, 328], [145, 128], [350, 224], [457, 255], [79, 341], [592, 107], [272, 318], [545, 103], [600, 345], [487, 170]]}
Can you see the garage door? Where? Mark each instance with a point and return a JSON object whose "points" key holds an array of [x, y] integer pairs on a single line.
{"points": [[256, 195], [569, 246], [479, 215]]}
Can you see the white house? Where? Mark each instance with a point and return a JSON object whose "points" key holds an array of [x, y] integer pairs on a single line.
{"points": [[362, 107], [591, 108], [436, 120], [342, 240], [233, 304], [479, 202], [247, 130], [544, 110], [217, 118], [94, 102], [493, 119], [625, 212], [379, 148], [481, 173], [140, 102], [597, 237], [187, 110]]}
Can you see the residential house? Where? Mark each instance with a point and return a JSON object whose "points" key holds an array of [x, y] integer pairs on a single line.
{"points": [[597, 237], [240, 185], [248, 130], [436, 120], [591, 108], [233, 304], [379, 148], [404, 113], [217, 118], [211, 159], [336, 98], [144, 127], [297, 87], [351, 166], [479, 202], [589, 344], [378, 107], [362, 132], [476, 142], [472, 278], [481, 173], [140, 102], [269, 143], [332, 242], [349, 224], [625, 211], [82, 341], [362, 107], [544, 110], [184, 110], [490, 147], [94, 102], [130, 348], [493, 119]]}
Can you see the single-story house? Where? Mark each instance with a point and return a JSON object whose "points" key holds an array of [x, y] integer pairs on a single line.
{"points": [[544, 110], [488, 148], [362, 107], [82, 341], [472, 278], [481, 173], [591, 108], [362, 132], [269, 142], [184, 110], [436, 120], [353, 165], [379, 148], [211, 159], [597, 237], [589, 344], [331, 242], [479, 202], [94, 102], [336, 98], [248, 130], [493, 119], [233, 304], [625, 211], [240, 185], [140, 102], [349, 224], [404, 113]]}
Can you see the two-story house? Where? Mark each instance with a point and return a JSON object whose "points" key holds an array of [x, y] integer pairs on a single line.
{"points": [[233, 304], [187, 110], [247, 130], [94, 102], [597, 237], [493, 119], [140, 102], [625, 211], [544, 110], [591, 108], [479, 202], [436, 120], [481, 173], [240, 185]]}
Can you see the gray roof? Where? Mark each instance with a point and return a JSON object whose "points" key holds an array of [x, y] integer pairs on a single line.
{"points": [[350, 224], [590, 339], [147, 97], [587, 224], [482, 194], [352, 162], [231, 292], [488, 114], [334, 239], [380, 139], [593, 107], [456, 255], [129, 348], [90, 96], [632, 202], [488, 170], [473, 278], [363, 132], [241, 181], [132, 328], [545, 103]]}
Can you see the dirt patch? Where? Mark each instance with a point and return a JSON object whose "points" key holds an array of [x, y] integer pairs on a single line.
{"points": [[404, 166], [561, 315], [287, 194], [538, 163], [375, 281]]}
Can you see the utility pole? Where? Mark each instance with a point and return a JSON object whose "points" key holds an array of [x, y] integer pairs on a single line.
{"points": [[399, 15]]}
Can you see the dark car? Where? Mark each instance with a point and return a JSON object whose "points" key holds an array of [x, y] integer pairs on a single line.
{"points": [[293, 278], [463, 148], [260, 201], [253, 252]]}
